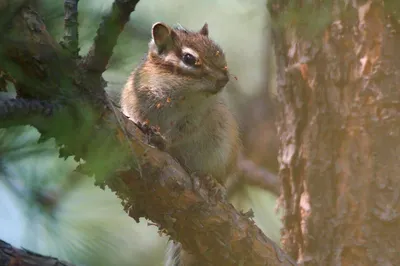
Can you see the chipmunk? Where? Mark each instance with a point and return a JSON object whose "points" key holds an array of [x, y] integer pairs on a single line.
{"points": [[177, 88]]}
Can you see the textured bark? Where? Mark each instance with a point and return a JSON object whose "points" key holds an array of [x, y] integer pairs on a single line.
{"points": [[340, 133], [53, 86], [10, 256]]}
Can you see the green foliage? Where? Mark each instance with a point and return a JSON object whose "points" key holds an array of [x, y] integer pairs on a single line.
{"points": [[60, 212], [53, 210]]}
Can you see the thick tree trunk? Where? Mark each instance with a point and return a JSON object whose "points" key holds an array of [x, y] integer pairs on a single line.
{"points": [[339, 129]]}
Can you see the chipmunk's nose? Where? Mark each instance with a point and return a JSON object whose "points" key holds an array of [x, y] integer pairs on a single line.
{"points": [[221, 82]]}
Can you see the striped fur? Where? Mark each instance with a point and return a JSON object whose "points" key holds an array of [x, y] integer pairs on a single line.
{"points": [[185, 103]]}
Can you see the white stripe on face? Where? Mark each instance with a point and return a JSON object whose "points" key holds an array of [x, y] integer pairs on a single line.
{"points": [[189, 51]]}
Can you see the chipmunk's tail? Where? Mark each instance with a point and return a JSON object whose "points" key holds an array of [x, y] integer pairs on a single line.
{"points": [[173, 254]]}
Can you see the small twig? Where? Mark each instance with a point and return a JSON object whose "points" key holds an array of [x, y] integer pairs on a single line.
{"points": [[112, 25], [71, 34], [20, 108], [252, 174]]}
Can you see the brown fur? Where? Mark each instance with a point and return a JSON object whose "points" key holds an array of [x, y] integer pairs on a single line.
{"points": [[201, 132]]}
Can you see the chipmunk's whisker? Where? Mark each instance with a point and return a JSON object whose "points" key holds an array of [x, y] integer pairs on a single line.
{"points": [[235, 77]]}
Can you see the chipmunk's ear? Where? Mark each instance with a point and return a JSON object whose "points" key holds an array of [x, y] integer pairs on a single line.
{"points": [[163, 36], [204, 30]]}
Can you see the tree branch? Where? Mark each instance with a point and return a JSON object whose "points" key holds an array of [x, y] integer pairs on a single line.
{"points": [[254, 175], [149, 182], [16, 109], [71, 34], [99, 54], [10, 255]]}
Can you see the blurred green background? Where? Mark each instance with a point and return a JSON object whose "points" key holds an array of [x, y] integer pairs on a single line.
{"points": [[49, 209]]}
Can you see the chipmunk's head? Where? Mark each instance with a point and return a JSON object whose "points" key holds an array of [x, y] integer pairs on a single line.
{"points": [[187, 61]]}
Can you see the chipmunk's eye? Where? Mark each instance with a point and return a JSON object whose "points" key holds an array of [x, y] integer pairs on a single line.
{"points": [[189, 59]]}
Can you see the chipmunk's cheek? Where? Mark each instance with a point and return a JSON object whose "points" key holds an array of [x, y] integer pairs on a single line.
{"points": [[208, 87], [221, 83]]}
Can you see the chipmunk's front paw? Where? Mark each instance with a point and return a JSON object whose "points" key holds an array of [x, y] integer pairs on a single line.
{"points": [[217, 191], [153, 135]]}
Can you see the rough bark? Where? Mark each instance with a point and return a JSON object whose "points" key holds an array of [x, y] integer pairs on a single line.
{"points": [[53, 85], [339, 131], [10, 255]]}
